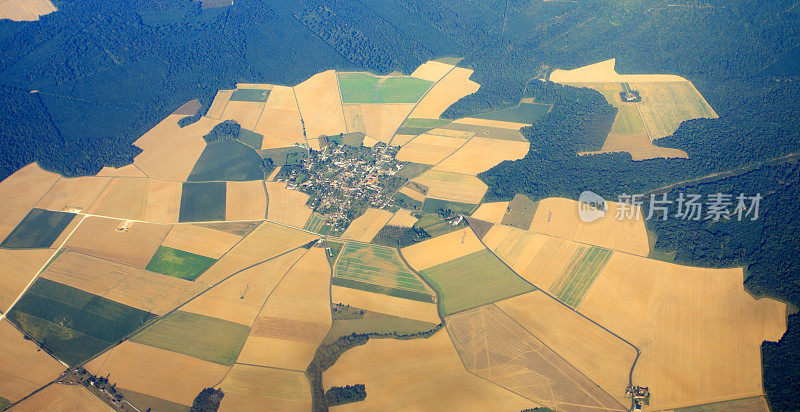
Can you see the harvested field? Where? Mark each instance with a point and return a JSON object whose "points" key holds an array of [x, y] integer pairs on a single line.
{"points": [[24, 367], [496, 348], [240, 297], [200, 240], [578, 276], [365, 227], [473, 280], [367, 88], [246, 113], [448, 90], [295, 318], [156, 372], [219, 103], [604, 72], [170, 151], [39, 229], [135, 246], [520, 212], [402, 218], [163, 201], [378, 269], [142, 402], [694, 323], [178, 263], [376, 302], [606, 361], [481, 154], [202, 202], [63, 397], [17, 268], [76, 193], [441, 249], [453, 186], [249, 388], [378, 121], [20, 192], [287, 206], [320, 106], [124, 284], [281, 117], [665, 105], [25, 10], [125, 171], [540, 259], [228, 160], [235, 228], [124, 198], [419, 374], [72, 324], [246, 201], [220, 341], [265, 242], [432, 70], [750, 404], [559, 217], [491, 212], [429, 149]]}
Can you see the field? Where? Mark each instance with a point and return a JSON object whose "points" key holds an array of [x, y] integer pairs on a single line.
{"points": [[228, 160], [418, 126], [63, 397], [491, 212], [246, 113], [255, 94], [750, 404], [25, 10], [219, 342], [234, 228], [378, 269], [432, 70], [366, 226], [177, 263], [39, 229], [73, 193], [665, 105], [135, 246], [201, 202], [263, 243], [124, 284], [250, 138], [578, 276], [671, 313], [287, 206], [488, 129], [163, 201], [170, 151], [366, 88], [429, 149], [315, 223], [419, 374], [378, 121], [390, 305], [249, 387], [448, 90], [402, 218], [200, 240], [374, 322], [72, 324], [284, 155], [17, 268], [410, 197], [432, 205], [246, 201], [524, 113], [124, 197], [480, 154], [473, 280], [125, 171], [496, 348], [295, 318], [453, 187], [606, 361], [239, 298], [520, 212], [23, 366], [219, 103], [281, 117], [559, 217], [156, 372], [434, 226], [441, 249], [320, 106]]}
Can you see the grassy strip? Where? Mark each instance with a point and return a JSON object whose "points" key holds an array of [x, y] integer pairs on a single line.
{"points": [[384, 290]]}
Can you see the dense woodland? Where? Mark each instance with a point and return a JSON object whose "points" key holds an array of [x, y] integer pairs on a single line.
{"points": [[105, 71]]}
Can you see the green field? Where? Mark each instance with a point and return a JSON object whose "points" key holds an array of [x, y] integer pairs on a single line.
{"points": [[527, 113], [73, 324], [229, 160], [39, 229], [177, 263], [576, 279], [202, 202], [377, 269], [203, 337], [249, 95], [473, 280], [4, 403], [488, 132], [366, 88], [284, 155], [418, 126], [251, 138], [628, 121], [435, 226], [432, 205], [406, 202], [315, 223], [374, 322], [520, 212], [412, 170], [752, 404], [336, 248]]}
